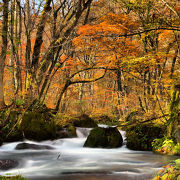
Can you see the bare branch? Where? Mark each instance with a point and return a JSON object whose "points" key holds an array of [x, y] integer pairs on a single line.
{"points": [[171, 8], [89, 81], [147, 120]]}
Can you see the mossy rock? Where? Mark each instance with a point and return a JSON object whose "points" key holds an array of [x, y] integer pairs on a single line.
{"points": [[71, 130], [84, 121], [33, 125], [14, 135], [10, 131], [141, 136], [38, 126], [104, 138]]}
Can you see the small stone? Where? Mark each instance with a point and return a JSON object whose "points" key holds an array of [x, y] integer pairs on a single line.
{"points": [[6, 164]]}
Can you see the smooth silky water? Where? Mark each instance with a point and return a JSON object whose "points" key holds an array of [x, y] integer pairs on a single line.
{"points": [[69, 160]]}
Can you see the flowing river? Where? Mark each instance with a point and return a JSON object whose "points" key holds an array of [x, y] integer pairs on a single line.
{"points": [[69, 160]]}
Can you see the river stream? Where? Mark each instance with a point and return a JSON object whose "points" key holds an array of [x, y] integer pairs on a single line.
{"points": [[69, 160]]}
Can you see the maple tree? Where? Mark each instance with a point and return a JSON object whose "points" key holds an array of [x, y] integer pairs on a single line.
{"points": [[131, 46]]}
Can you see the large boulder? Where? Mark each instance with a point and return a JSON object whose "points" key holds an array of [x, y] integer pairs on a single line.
{"points": [[6, 164], [104, 137], [22, 146], [141, 136], [38, 126], [84, 121], [15, 125]]}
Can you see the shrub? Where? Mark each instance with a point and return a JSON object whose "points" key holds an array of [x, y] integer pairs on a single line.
{"points": [[169, 172], [166, 146]]}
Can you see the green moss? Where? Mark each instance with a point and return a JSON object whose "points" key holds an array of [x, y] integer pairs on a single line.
{"points": [[10, 131], [12, 178], [97, 138], [38, 126], [176, 149], [2, 115], [177, 161], [141, 136], [71, 130], [104, 137], [173, 124]]}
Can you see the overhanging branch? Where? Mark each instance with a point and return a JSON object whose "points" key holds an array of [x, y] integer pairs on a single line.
{"points": [[147, 120], [89, 81], [138, 32]]}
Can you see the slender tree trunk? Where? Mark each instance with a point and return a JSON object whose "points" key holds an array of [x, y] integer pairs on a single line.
{"points": [[18, 37], [81, 86], [149, 83], [119, 89], [173, 64], [68, 83], [63, 105], [12, 36], [3, 49]]}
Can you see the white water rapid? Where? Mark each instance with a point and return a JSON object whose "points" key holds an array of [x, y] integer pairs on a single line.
{"points": [[69, 160]]}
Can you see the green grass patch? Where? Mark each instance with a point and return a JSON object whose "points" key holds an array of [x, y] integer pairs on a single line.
{"points": [[12, 178]]}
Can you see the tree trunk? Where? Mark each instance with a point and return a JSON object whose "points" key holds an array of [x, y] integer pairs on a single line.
{"points": [[39, 35], [119, 90], [3, 49], [173, 63], [68, 83]]}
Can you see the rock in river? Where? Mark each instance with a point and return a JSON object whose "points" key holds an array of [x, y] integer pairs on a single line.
{"points": [[6, 164], [108, 137], [32, 146]]}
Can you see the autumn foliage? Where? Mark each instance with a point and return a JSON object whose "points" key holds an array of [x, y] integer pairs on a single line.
{"points": [[118, 57]]}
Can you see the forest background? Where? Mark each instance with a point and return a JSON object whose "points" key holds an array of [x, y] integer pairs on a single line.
{"points": [[94, 57]]}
